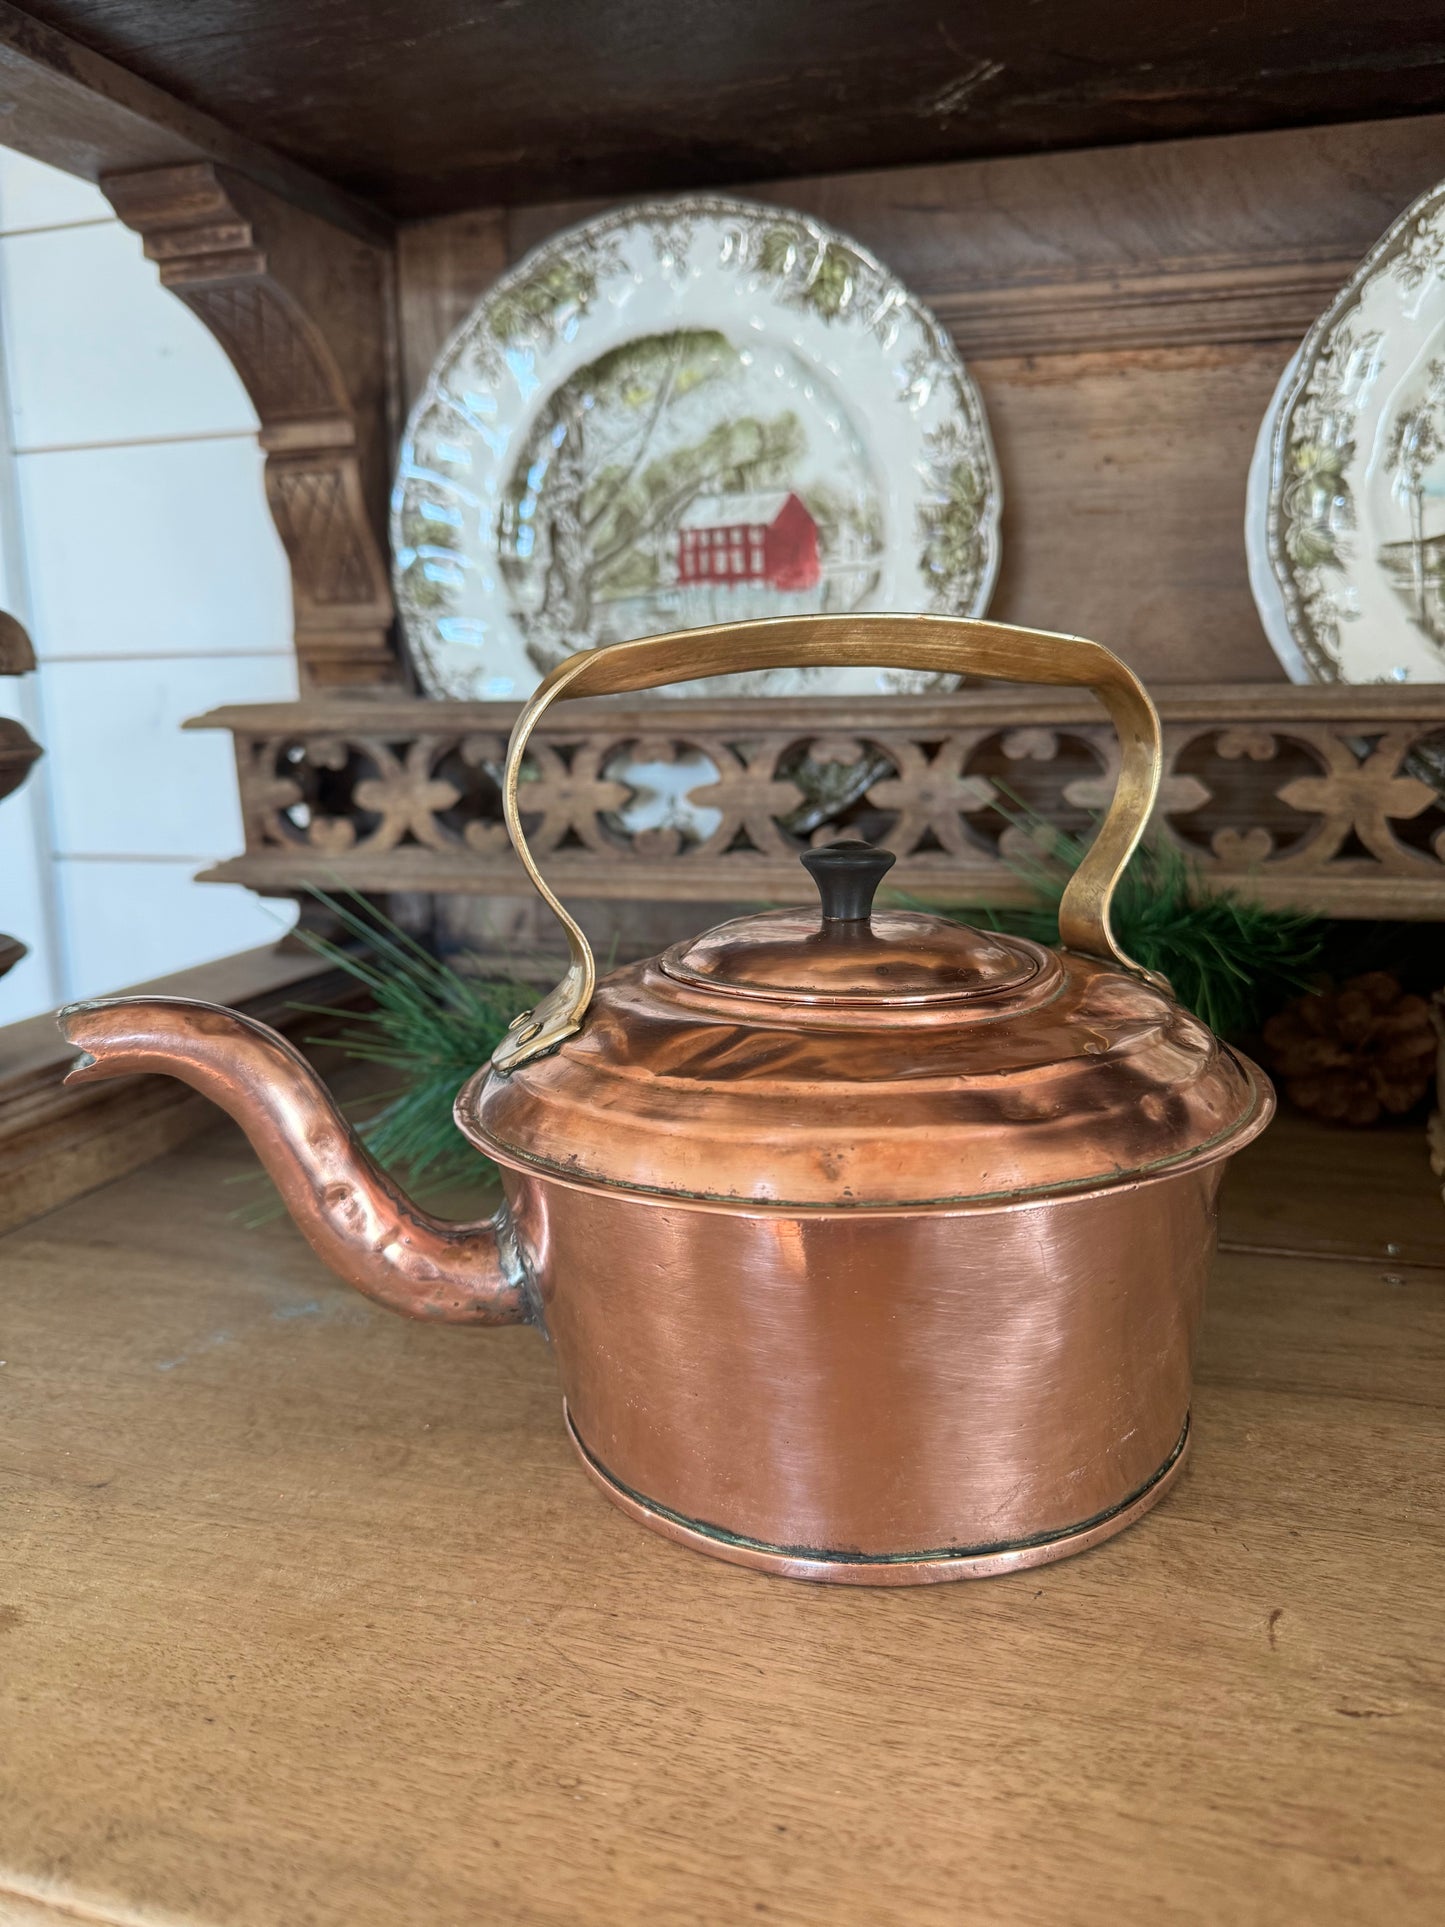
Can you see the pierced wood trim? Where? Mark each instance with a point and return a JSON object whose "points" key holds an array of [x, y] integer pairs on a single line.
{"points": [[264, 279], [1329, 799]]}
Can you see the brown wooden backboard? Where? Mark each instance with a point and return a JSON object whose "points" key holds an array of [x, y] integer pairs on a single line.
{"points": [[1126, 314]]}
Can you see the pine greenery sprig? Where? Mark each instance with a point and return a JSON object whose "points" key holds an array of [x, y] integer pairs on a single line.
{"points": [[429, 1023], [1228, 960]]}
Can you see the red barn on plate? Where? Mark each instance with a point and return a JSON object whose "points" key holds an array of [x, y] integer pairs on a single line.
{"points": [[765, 536]]}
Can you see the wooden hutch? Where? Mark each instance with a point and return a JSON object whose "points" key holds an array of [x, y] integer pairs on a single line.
{"points": [[258, 1692]]}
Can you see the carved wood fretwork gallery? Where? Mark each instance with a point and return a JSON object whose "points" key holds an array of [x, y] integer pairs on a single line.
{"points": [[1294, 796]]}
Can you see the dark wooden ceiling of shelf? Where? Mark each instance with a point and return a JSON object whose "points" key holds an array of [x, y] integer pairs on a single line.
{"points": [[424, 106]]}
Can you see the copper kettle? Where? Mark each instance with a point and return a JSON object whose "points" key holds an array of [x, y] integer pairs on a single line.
{"points": [[872, 1248]]}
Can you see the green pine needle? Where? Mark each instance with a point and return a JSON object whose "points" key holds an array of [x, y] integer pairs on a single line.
{"points": [[433, 1026], [1229, 961]]}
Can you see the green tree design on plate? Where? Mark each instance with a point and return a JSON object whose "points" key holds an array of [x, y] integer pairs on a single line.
{"points": [[1415, 444], [1318, 501], [596, 493], [535, 303], [829, 274], [951, 525], [571, 454], [429, 536]]}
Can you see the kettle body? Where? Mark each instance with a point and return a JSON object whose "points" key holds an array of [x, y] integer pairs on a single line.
{"points": [[871, 1248], [885, 1400]]}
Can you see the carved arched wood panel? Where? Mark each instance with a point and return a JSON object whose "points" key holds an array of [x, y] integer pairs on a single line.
{"points": [[267, 279]]}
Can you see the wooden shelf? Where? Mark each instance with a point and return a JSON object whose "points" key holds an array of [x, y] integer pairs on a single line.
{"points": [[674, 94], [1312, 798], [309, 1615]]}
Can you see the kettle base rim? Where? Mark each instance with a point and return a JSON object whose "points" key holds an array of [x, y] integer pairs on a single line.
{"points": [[924, 1568]]}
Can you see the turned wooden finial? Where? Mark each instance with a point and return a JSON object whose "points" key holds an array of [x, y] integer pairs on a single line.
{"points": [[17, 652]]}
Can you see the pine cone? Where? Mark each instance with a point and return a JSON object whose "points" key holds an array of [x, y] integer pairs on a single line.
{"points": [[1349, 1053]]}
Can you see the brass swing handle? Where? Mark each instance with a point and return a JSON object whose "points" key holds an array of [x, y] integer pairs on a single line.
{"points": [[945, 644]]}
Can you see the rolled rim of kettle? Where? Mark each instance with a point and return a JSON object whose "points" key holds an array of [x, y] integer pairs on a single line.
{"points": [[884, 1569], [1222, 1144]]}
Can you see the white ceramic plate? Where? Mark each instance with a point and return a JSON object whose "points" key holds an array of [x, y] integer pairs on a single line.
{"points": [[681, 413], [1268, 598], [1345, 524]]}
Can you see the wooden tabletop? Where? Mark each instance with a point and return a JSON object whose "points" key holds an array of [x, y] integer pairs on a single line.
{"points": [[308, 1618]]}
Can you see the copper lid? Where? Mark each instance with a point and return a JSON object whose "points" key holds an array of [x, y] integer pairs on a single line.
{"points": [[896, 957], [793, 1059], [845, 952]]}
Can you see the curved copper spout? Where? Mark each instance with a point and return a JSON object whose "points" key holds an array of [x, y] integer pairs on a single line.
{"points": [[356, 1220]]}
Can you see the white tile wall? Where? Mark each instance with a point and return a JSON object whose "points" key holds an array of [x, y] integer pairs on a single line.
{"points": [[99, 352], [136, 545], [35, 196], [151, 788], [29, 987], [153, 551], [129, 921]]}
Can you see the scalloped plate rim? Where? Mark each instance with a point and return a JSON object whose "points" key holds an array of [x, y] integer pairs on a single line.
{"points": [[640, 214]]}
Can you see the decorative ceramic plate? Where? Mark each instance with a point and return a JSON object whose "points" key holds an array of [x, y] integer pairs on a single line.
{"points": [[681, 413], [1345, 526]]}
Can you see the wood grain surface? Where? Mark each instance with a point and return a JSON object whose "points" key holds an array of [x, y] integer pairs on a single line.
{"points": [[72, 108], [441, 267], [308, 1617], [1124, 479], [470, 103]]}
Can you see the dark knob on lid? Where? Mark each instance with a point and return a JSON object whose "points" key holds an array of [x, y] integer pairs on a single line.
{"points": [[847, 874]]}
